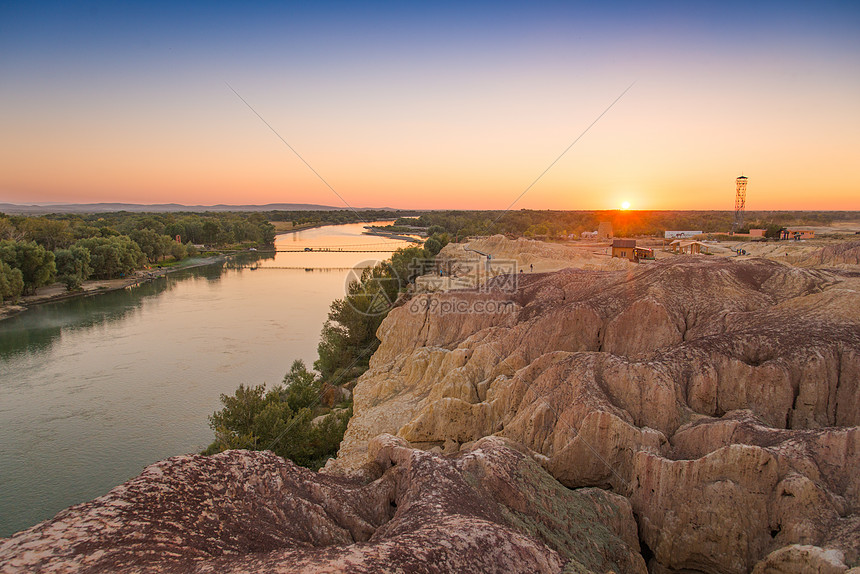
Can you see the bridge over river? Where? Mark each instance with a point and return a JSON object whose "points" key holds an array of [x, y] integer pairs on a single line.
{"points": [[384, 247]]}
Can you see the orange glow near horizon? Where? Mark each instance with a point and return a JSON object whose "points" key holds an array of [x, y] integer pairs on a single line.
{"points": [[401, 119], [227, 155]]}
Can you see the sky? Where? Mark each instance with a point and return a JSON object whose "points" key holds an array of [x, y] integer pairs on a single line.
{"points": [[432, 105]]}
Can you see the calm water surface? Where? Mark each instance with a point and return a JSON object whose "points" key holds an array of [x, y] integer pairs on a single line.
{"points": [[93, 389]]}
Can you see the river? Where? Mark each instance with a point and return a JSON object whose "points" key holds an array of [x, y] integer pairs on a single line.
{"points": [[95, 388]]}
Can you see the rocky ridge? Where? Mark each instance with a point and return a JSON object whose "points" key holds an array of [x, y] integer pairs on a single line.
{"points": [[491, 509], [844, 254], [685, 416], [719, 396]]}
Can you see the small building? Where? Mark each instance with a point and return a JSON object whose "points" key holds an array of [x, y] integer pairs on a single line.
{"points": [[689, 247], [589, 235], [797, 234], [681, 234], [624, 248]]}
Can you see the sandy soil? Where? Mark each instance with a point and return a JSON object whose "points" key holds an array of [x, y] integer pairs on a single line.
{"points": [[837, 227], [465, 264]]}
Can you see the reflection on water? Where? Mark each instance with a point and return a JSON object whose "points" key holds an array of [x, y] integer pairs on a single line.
{"points": [[95, 388], [39, 327], [36, 329]]}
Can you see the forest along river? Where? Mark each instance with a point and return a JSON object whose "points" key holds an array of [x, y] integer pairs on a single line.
{"points": [[94, 389]]}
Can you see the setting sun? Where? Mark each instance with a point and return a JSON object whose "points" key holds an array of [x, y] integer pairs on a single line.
{"points": [[625, 205]]}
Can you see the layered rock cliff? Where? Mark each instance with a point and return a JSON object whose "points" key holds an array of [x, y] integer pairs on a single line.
{"points": [[721, 397]]}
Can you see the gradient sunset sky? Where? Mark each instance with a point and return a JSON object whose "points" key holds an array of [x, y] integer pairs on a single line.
{"points": [[432, 104]]}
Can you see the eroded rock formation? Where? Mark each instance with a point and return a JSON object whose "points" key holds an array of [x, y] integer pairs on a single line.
{"points": [[700, 414], [491, 509], [721, 397], [843, 254]]}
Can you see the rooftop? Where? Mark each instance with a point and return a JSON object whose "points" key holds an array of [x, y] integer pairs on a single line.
{"points": [[624, 243]]}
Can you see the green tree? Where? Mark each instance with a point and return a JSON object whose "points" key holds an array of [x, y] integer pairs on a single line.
{"points": [[11, 283], [178, 251], [82, 230], [73, 266], [234, 425], [282, 419], [149, 242], [407, 264], [8, 230], [254, 419], [210, 232], [34, 261], [301, 388], [154, 245], [349, 335], [435, 243], [112, 257], [328, 435], [51, 234], [267, 232]]}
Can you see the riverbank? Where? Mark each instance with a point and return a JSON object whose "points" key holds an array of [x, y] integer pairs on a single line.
{"points": [[96, 388], [282, 229], [58, 292], [379, 232]]}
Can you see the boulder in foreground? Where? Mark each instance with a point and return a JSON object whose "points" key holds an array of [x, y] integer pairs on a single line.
{"points": [[490, 509]]}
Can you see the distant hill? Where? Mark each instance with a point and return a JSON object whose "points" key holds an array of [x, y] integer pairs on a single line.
{"points": [[12, 208]]}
